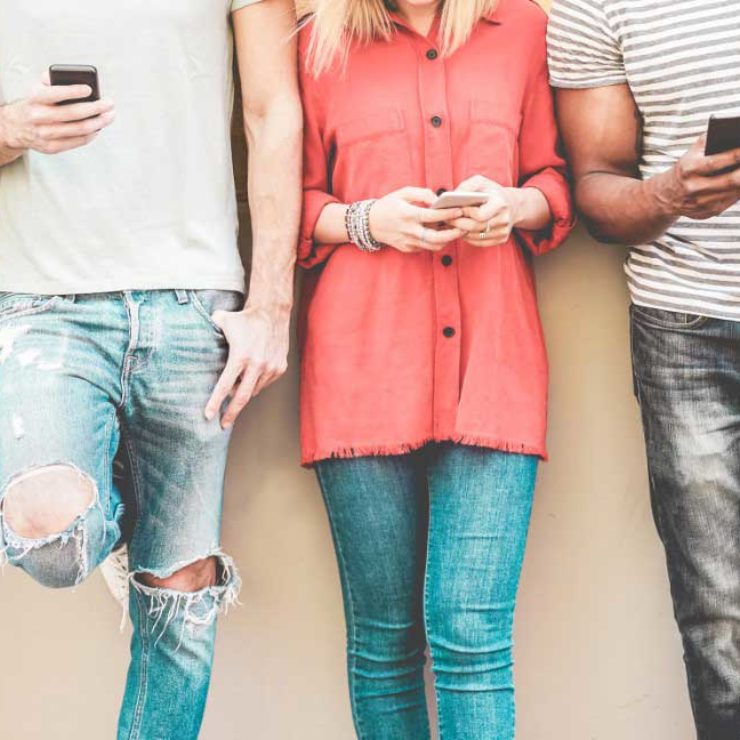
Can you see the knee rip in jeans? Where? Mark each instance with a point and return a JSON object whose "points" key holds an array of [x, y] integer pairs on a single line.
{"points": [[46, 506], [183, 592]]}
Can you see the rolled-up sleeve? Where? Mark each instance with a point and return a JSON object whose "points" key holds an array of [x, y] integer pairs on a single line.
{"points": [[239, 4], [541, 164], [316, 185]]}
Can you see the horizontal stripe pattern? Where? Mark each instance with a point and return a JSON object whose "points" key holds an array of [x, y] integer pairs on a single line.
{"points": [[681, 60]]}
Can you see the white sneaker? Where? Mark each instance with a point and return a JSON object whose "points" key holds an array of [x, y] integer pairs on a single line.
{"points": [[116, 576]]}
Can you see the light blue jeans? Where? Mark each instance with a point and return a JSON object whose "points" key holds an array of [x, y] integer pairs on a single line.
{"points": [[92, 379], [430, 548]]}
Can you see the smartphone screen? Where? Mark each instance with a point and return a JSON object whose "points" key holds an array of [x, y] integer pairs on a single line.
{"points": [[723, 134], [76, 74], [458, 199]]}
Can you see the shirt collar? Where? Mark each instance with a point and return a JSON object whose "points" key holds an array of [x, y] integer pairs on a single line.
{"points": [[398, 20], [495, 16]]}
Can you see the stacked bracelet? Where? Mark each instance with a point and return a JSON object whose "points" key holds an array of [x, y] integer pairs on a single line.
{"points": [[357, 221]]}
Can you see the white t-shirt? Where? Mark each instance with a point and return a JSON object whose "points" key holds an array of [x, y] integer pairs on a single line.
{"points": [[150, 204]]}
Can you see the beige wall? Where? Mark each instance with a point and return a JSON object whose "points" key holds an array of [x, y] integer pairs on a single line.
{"points": [[598, 657]]}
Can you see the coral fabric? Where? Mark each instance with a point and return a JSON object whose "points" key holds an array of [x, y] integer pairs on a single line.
{"points": [[399, 350]]}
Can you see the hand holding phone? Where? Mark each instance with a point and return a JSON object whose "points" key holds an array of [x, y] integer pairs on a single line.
{"points": [[52, 119], [407, 221]]}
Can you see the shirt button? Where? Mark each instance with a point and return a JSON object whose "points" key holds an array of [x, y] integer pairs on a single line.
{"points": [[432, 54], [446, 260], [449, 332], [436, 121]]}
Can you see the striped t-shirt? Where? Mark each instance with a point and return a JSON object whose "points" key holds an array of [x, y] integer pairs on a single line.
{"points": [[681, 60]]}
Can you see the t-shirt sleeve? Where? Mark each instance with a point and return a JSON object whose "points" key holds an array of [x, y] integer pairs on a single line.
{"points": [[239, 4], [583, 50]]}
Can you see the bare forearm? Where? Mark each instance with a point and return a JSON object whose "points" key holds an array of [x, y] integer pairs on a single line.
{"points": [[531, 211], [275, 202], [331, 227], [9, 151], [624, 210]]}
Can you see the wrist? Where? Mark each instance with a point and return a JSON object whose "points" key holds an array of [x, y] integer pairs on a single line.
{"points": [[8, 139], [661, 193], [517, 198], [275, 311]]}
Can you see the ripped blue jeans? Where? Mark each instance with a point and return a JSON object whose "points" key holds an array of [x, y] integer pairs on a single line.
{"points": [[86, 381]]}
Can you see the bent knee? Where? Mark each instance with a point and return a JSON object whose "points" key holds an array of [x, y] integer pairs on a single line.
{"points": [[46, 501], [464, 635], [193, 577]]}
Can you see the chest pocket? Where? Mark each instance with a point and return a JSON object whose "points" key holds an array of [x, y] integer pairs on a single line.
{"points": [[373, 154], [492, 148]]}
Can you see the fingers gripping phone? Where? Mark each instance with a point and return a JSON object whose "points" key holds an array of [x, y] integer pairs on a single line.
{"points": [[76, 74], [460, 199]]}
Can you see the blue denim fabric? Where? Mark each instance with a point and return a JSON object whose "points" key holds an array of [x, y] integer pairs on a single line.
{"points": [[687, 380], [83, 378], [430, 548]]}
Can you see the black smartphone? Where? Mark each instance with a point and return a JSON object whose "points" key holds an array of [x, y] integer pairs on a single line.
{"points": [[723, 134], [76, 74]]}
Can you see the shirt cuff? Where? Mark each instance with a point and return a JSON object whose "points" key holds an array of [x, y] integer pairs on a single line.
{"points": [[554, 186], [310, 253]]}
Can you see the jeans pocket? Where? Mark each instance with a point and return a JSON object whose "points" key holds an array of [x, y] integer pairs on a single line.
{"points": [[207, 302], [14, 305], [660, 318]]}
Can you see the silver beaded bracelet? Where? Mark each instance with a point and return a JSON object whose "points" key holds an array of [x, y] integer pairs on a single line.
{"points": [[357, 221]]}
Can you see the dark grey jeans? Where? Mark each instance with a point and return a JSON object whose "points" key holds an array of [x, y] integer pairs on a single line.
{"points": [[687, 380]]}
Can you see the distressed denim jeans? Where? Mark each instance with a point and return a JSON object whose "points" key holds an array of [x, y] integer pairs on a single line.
{"points": [[430, 548], [89, 380], [687, 380]]}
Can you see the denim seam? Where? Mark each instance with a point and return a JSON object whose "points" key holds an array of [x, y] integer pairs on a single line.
{"points": [[138, 713], [427, 629], [108, 465], [352, 662], [132, 311], [134, 471]]}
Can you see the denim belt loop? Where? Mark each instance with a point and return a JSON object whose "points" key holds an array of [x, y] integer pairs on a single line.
{"points": [[182, 297]]}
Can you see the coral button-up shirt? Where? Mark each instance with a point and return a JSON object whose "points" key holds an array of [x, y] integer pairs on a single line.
{"points": [[399, 350]]}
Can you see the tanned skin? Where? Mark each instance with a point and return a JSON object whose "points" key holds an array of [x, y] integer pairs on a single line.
{"points": [[602, 132]]}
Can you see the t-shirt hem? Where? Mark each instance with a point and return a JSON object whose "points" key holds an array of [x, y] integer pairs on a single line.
{"points": [[339, 452], [65, 287]]}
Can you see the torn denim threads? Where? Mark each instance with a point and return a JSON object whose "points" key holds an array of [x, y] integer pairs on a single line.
{"points": [[85, 382], [65, 558]]}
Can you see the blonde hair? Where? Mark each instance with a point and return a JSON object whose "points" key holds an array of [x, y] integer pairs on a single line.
{"points": [[336, 23]]}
